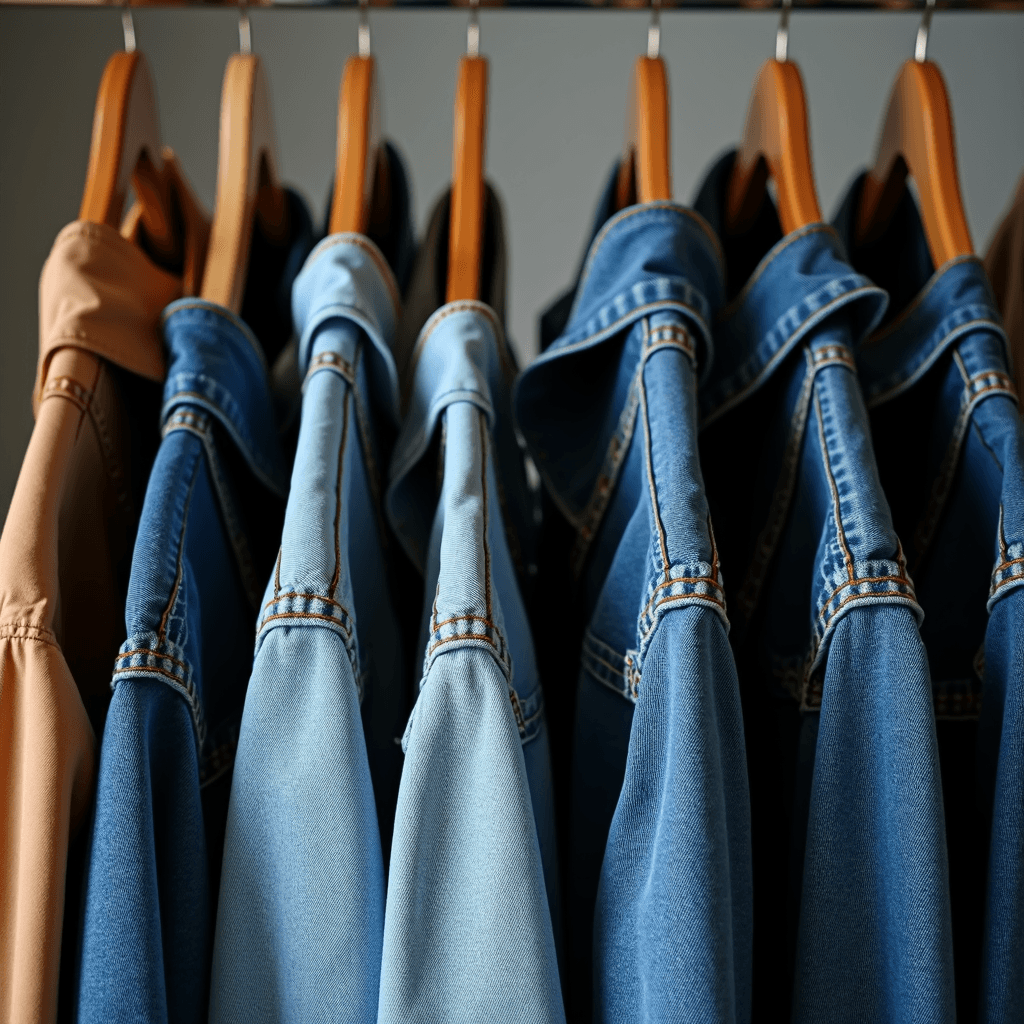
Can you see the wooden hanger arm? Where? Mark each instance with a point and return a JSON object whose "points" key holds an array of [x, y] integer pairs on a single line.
{"points": [[466, 228], [776, 143], [125, 153], [358, 147], [917, 137], [645, 173], [247, 183]]}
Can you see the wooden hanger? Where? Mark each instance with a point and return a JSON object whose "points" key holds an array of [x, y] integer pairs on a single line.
{"points": [[359, 149], [247, 184], [776, 143], [125, 152], [645, 173], [917, 137], [466, 224]]}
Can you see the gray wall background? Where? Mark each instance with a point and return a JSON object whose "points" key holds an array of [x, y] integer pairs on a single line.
{"points": [[556, 116]]}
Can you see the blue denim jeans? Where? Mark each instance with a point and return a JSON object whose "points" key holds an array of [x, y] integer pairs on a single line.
{"points": [[851, 897], [659, 876], [937, 385], [206, 540], [301, 914], [468, 926]]}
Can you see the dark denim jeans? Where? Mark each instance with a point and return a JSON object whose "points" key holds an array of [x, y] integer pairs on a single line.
{"points": [[659, 878], [945, 421], [851, 898], [209, 529]]}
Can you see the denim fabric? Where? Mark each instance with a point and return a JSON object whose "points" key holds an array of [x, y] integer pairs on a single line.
{"points": [[852, 916], [937, 383], [209, 527], [468, 931], [659, 860], [301, 913]]}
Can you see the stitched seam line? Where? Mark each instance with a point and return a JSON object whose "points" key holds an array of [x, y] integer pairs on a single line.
{"points": [[308, 615], [865, 579], [308, 597], [847, 557], [778, 511], [336, 578], [162, 629], [461, 636], [650, 468], [681, 579], [486, 537]]}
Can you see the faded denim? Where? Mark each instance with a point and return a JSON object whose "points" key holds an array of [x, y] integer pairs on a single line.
{"points": [[944, 414], [301, 915], [659, 871], [210, 525], [468, 930], [852, 913]]}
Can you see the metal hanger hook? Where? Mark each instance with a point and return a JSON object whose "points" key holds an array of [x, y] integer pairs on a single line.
{"points": [[654, 31], [473, 31], [921, 46], [782, 35], [128, 24], [364, 28], [244, 29]]}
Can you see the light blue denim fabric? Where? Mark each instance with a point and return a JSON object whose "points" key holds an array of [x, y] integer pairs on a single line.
{"points": [[468, 931], [301, 914], [824, 612], [659, 911], [215, 492], [945, 419]]}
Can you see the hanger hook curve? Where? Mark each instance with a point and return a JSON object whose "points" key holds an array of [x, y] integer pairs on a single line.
{"points": [[244, 29], [364, 28], [654, 31], [473, 30], [128, 26], [921, 46], [782, 35]]}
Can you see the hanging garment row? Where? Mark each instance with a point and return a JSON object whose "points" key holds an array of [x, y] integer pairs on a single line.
{"points": [[677, 676]]}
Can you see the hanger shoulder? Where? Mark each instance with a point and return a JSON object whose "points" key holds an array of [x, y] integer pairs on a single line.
{"points": [[358, 147], [125, 152], [917, 137], [247, 183], [776, 142], [465, 239], [645, 173]]}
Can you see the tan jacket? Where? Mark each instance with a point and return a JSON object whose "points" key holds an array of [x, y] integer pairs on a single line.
{"points": [[64, 557], [1004, 263]]}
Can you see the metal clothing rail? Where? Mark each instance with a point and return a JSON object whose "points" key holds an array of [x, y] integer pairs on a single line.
{"points": [[695, 5]]}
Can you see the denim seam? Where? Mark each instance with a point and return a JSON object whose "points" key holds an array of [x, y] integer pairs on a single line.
{"points": [[734, 393], [885, 391], [976, 390], [305, 610], [236, 321], [1009, 569], [837, 511], [143, 662], [594, 659], [342, 445], [450, 309], [332, 363], [589, 520], [200, 424], [778, 511], [364, 243], [645, 208]]}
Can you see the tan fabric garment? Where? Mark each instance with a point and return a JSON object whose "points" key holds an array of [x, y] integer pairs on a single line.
{"points": [[1004, 263], [64, 555]]}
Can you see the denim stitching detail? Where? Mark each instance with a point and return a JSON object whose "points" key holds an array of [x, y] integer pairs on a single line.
{"points": [[947, 333], [1009, 569], [649, 459], [976, 389], [837, 512], [201, 424], [379, 261], [618, 446], [180, 564], [331, 362], [164, 660], [771, 533], [485, 448], [790, 327], [605, 664], [225, 314], [300, 609], [336, 578]]}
